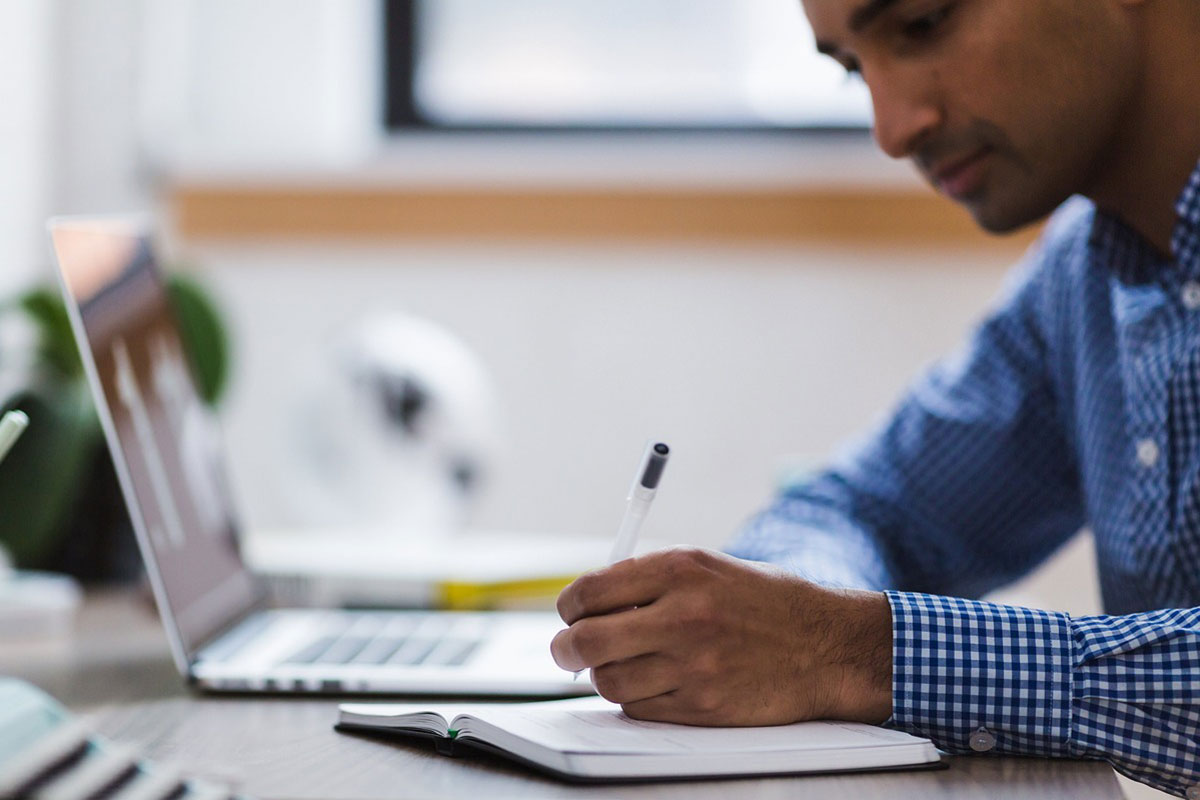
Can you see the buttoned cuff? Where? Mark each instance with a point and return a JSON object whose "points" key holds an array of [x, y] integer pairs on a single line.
{"points": [[976, 677]]}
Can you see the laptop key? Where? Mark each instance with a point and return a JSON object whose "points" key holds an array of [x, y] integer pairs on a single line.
{"points": [[456, 653], [311, 651], [400, 626], [379, 650], [414, 651], [343, 650]]}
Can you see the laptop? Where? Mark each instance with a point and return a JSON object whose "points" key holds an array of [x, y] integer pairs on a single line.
{"points": [[166, 450]]}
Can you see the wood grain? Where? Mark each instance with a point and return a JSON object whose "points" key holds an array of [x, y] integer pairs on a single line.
{"points": [[885, 217]]}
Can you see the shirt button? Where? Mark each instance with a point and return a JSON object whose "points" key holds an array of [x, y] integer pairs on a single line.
{"points": [[1193, 792], [1191, 295], [982, 740], [1147, 452]]}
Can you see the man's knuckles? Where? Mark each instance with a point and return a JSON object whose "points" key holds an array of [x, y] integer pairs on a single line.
{"points": [[683, 563], [586, 644], [581, 599], [697, 615], [706, 668], [617, 683]]}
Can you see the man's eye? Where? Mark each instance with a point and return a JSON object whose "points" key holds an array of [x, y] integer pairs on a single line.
{"points": [[926, 25]]}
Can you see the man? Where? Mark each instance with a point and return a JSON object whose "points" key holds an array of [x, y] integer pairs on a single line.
{"points": [[1076, 402]]}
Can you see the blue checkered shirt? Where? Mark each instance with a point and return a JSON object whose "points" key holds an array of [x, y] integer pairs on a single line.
{"points": [[1076, 402]]}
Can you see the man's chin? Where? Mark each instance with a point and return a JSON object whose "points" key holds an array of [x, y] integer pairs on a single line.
{"points": [[997, 219]]}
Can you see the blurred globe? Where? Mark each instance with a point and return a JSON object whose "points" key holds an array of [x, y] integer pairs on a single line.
{"points": [[394, 429]]}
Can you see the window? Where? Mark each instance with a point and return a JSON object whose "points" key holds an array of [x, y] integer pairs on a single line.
{"points": [[616, 64]]}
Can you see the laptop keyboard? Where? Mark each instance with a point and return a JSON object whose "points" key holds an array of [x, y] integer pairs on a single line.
{"points": [[380, 638]]}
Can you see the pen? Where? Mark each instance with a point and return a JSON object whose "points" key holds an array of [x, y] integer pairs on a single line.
{"points": [[12, 426], [641, 494]]}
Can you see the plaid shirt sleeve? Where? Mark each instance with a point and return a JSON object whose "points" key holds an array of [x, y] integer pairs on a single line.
{"points": [[965, 487], [976, 677]]}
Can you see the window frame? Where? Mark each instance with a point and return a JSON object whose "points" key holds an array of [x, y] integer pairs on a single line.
{"points": [[401, 113]]}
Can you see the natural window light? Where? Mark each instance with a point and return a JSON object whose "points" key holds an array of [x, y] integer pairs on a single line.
{"points": [[627, 63]]}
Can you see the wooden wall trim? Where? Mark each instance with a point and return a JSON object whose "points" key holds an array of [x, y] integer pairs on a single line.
{"points": [[880, 217]]}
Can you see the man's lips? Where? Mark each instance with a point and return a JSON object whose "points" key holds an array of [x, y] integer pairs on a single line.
{"points": [[962, 177]]}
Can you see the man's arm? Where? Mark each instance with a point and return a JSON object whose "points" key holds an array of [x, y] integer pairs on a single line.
{"points": [[968, 485], [697, 637]]}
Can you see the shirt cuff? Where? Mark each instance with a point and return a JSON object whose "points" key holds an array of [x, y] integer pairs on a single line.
{"points": [[975, 676]]}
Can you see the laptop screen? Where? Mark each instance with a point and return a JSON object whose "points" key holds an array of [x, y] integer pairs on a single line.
{"points": [[164, 441]]}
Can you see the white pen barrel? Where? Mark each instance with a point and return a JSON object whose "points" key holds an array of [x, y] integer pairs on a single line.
{"points": [[631, 524]]}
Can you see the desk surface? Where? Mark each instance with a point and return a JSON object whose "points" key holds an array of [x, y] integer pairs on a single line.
{"points": [[118, 673]]}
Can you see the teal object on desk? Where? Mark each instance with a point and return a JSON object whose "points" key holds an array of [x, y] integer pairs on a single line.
{"points": [[46, 751]]}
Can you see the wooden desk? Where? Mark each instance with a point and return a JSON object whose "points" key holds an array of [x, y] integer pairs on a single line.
{"points": [[118, 673]]}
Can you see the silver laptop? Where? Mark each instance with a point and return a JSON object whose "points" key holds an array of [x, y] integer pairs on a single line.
{"points": [[167, 455]]}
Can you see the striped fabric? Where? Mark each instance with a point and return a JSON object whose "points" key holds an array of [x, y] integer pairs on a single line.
{"points": [[1076, 402]]}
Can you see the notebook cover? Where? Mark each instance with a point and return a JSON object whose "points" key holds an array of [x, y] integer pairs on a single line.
{"points": [[460, 748]]}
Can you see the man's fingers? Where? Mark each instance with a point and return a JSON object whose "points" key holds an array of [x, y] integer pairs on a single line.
{"points": [[595, 641], [637, 678], [665, 707], [683, 706], [632, 582]]}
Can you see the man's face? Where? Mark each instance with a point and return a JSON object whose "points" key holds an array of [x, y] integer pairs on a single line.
{"points": [[1006, 106]]}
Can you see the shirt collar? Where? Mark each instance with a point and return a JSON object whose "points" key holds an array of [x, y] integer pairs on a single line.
{"points": [[1185, 240], [1133, 260]]}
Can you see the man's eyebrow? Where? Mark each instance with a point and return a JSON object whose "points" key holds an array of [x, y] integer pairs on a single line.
{"points": [[867, 13], [860, 18]]}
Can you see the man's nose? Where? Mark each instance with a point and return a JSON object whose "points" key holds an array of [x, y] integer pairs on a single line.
{"points": [[904, 116]]}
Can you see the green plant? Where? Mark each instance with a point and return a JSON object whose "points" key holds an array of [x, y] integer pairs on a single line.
{"points": [[51, 465]]}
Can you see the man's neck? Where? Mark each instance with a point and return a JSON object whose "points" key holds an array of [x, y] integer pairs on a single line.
{"points": [[1159, 147]]}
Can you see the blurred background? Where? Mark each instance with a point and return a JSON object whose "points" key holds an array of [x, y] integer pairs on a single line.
{"points": [[618, 221]]}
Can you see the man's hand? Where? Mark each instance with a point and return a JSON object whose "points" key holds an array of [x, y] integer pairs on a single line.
{"points": [[694, 636]]}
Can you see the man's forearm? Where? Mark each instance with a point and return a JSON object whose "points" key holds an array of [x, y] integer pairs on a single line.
{"points": [[816, 542]]}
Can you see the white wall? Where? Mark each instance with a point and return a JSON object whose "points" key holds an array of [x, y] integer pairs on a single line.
{"points": [[141, 87], [25, 91], [99, 165], [740, 357], [272, 81], [747, 360]]}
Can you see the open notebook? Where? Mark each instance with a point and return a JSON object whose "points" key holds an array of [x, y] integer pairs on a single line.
{"points": [[590, 739]]}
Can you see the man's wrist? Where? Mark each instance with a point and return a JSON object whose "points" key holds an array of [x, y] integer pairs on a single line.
{"points": [[862, 667]]}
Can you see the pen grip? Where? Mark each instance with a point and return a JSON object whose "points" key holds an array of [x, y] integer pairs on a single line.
{"points": [[631, 525]]}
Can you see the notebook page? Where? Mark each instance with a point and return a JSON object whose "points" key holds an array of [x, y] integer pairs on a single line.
{"points": [[593, 725], [427, 717]]}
